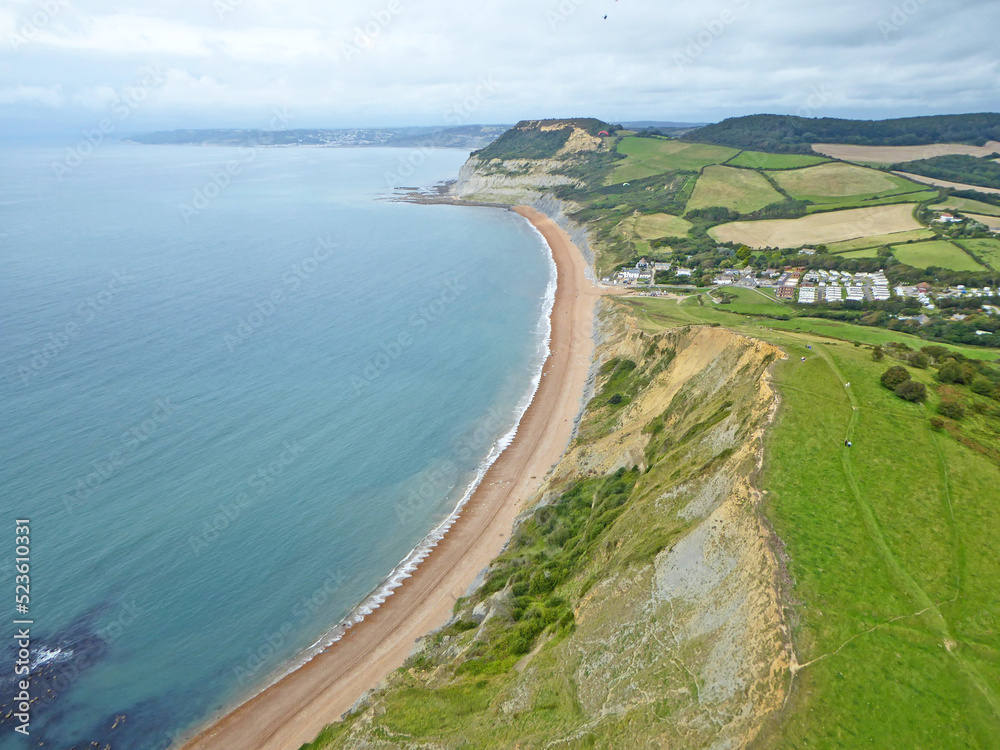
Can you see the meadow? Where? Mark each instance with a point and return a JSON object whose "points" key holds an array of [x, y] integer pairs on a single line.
{"points": [[761, 160], [967, 205], [880, 240], [987, 250], [741, 190], [652, 156], [823, 228], [889, 543], [834, 182], [938, 253], [657, 226]]}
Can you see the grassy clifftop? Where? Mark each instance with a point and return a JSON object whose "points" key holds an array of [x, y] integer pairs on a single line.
{"points": [[637, 604]]}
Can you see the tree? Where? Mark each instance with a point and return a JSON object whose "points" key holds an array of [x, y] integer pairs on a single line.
{"points": [[949, 372], [911, 390], [894, 377]]}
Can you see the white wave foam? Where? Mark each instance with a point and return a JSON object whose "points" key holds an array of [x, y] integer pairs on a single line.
{"points": [[420, 553]]}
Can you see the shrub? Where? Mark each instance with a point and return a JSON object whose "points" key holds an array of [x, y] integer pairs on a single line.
{"points": [[937, 423], [919, 360], [949, 372], [615, 400], [983, 386], [911, 390], [951, 408], [878, 354], [894, 377]]}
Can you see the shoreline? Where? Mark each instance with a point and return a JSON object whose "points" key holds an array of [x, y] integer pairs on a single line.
{"points": [[293, 710]]}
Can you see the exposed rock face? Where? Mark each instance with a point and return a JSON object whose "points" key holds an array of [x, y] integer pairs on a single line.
{"points": [[679, 637]]}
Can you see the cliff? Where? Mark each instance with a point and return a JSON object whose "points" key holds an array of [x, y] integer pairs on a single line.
{"points": [[638, 602]]}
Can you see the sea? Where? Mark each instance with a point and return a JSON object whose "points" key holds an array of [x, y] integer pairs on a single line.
{"points": [[242, 393]]}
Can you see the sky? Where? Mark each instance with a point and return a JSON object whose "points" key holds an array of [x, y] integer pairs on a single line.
{"points": [[138, 65]]}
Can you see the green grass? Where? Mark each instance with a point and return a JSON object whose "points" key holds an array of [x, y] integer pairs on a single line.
{"points": [[661, 312], [919, 196], [935, 253], [880, 240], [966, 205], [871, 252], [741, 190], [652, 156], [657, 226], [987, 250], [839, 184], [760, 160], [891, 547], [750, 302]]}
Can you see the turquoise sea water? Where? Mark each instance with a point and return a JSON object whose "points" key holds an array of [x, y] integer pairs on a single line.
{"points": [[230, 417]]}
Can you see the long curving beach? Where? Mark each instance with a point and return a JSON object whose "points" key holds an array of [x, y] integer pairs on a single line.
{"points": [[294, 709]]}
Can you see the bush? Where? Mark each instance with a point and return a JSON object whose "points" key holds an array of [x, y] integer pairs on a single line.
{"points": [[949, 372], [951, 408], [937, 423], [894, 377], [919, 360], [911, 390], [878, 354], [983, 386]]}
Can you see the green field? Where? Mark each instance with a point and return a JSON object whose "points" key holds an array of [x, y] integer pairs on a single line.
{"points": [[935, 253], [652, 156], [661, 312], [838, 183], [969, 206], [741, 190], [855, 202], [748, 302], [891, 548], [657, 226], [988, 250], [870, 252], [880, 241], [760, 160]]}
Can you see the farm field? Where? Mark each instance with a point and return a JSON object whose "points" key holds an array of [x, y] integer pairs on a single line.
{"points": [[868, 252], [652, 156], [750, 302], [656, 226], [947, 184], [741, 190], [828, 182], [760, 160], [938, 253], [824, 228], [988, 250], [896, 154], [993, 222], [880, 240], [966, 205]]}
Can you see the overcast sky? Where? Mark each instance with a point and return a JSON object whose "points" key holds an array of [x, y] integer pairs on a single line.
{"points": [[163, 64]]}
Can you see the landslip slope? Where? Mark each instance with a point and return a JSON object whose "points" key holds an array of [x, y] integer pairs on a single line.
{"points": [[639, 603]]}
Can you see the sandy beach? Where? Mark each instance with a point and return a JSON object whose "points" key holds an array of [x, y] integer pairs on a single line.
{"points": [[294, 710]]}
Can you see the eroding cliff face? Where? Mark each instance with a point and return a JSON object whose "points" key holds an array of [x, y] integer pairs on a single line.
{"points": [[676, 636], [510, 179]]}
